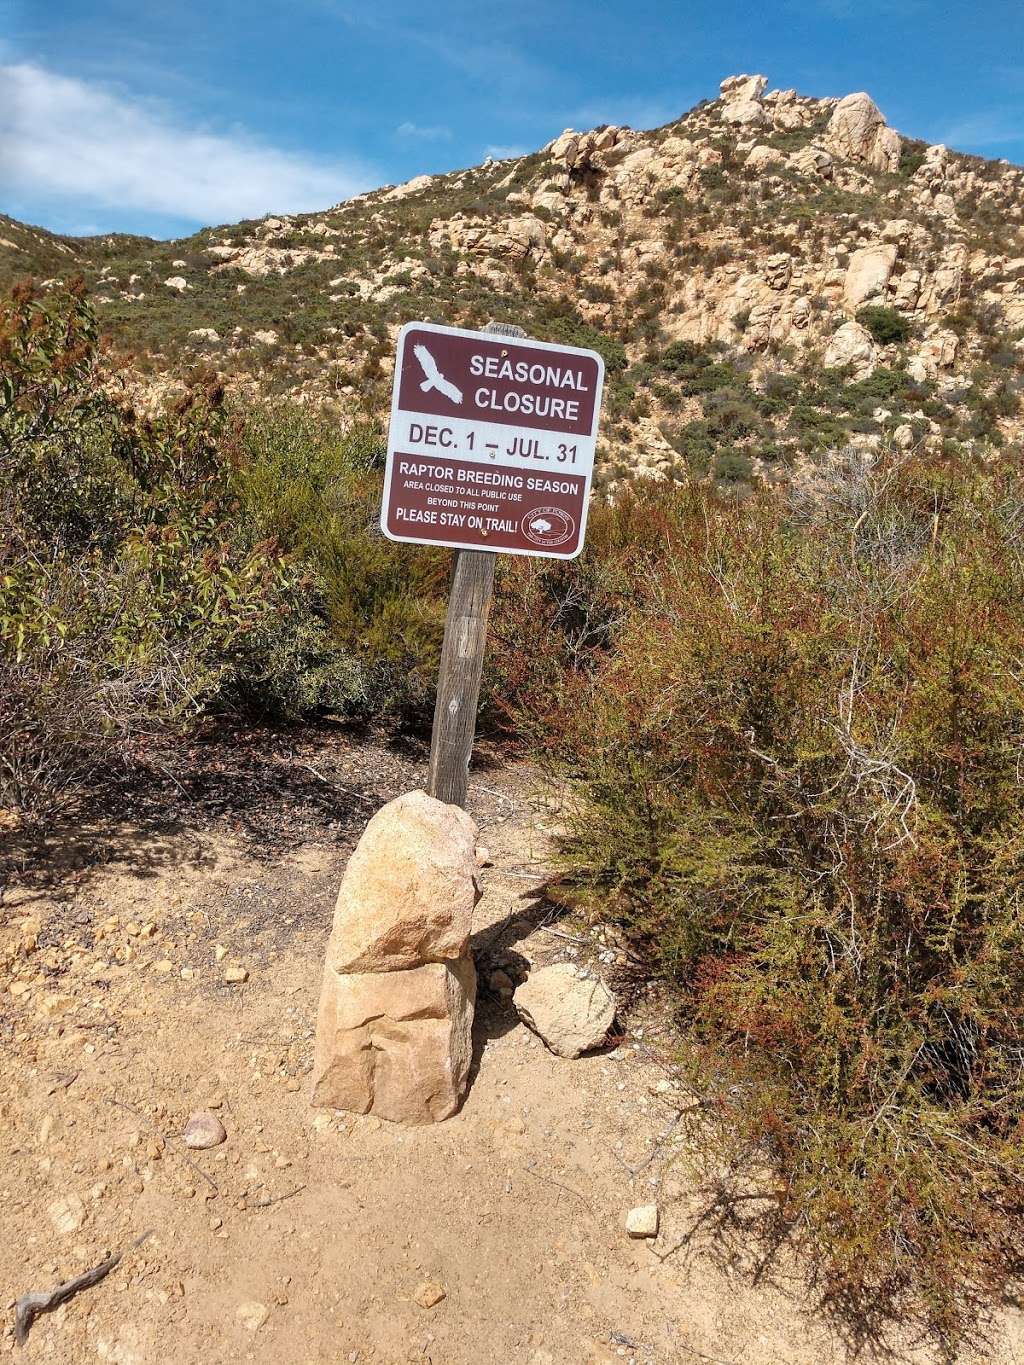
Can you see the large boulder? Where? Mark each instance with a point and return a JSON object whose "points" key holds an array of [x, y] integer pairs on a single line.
{"points": [[868, 274], [570, 1011], [396, 1044], [857, 131], [409, 889], [762, 158], [813, 160], [852, 345], [735, 88], [742, 100]]}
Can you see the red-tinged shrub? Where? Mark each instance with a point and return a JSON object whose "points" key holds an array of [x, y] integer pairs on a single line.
{"points": [[801, 770]]}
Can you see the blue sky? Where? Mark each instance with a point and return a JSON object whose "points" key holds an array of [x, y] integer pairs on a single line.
{"points": [[159, 116]]}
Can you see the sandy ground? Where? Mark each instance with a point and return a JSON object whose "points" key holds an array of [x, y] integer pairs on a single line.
{"points": [[305, 1236]]}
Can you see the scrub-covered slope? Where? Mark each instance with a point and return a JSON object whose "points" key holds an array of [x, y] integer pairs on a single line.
{"points": [[768, 276]]}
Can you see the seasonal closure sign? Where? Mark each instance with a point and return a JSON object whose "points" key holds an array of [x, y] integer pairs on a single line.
{"points": [[491, 443]]}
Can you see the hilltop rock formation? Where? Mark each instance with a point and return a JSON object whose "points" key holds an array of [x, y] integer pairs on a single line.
{"points": [[742, 97], [857, 132], [721, 262]]}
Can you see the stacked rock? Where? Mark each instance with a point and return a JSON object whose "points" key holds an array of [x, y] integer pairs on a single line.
{"points": [[394, 1030]]}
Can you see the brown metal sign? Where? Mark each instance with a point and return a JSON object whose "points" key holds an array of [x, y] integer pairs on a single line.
{"points": [[491, 443]]}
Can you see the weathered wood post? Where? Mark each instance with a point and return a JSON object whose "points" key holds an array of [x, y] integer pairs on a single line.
{"points": [[458, 681], [462, 660]]}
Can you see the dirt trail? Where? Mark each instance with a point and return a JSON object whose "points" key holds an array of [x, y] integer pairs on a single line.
{"points": [[117, 1023]]}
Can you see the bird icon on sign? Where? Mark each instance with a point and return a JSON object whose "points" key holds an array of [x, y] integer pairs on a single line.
{"points": [[434, 378]]}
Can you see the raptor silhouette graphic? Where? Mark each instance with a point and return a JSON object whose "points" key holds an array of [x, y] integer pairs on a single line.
{"points": [[434, 378]]}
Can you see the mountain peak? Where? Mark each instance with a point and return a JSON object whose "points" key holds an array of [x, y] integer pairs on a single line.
{"points": [[766, 232]]}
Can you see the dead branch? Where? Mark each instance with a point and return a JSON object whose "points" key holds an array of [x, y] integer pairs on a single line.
{"points": [[37, 1301], [266, 1203], [558, 1185]]}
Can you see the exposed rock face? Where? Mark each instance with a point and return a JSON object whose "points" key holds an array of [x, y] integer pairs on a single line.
{"points": [[852, 345], [259, 260], [742, 99], [413, 186], [576, 151], [409, 889], [396, 1044], [937, 352], [394, 1029], [857, 131], [735, 88], [762, 157], [789, 111], [868, 274], [572, 1013], [514, 240], [813, 160]]}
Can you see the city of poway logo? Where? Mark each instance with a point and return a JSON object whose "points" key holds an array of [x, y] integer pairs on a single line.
{"points": [[548, 526]]}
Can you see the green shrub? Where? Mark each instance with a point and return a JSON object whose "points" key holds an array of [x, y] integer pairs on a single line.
{"points": [[126, 596], [800, 793], [885, 324], [315, 489]]}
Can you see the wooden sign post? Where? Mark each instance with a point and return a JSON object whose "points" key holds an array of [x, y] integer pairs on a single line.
{"points": [[490, 449], [458, 682]]}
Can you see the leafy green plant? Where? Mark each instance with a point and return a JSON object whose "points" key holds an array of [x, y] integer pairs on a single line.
{"points": [[126, 597], [887, 325]]}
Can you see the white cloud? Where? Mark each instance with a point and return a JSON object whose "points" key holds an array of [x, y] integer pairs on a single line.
{"points": [[62, 137], [499, 152], [434, 133]]}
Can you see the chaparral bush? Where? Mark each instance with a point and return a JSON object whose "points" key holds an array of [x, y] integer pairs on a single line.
{"points": [[315, 488], [885, 324], [131, 592], [801, 770]]}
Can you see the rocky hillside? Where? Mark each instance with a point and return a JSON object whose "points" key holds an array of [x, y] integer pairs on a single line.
{"points": [[768, 276]]}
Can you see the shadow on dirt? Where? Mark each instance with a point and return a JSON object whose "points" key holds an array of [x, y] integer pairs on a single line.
{"points": [[494, 951], [275, 789]]}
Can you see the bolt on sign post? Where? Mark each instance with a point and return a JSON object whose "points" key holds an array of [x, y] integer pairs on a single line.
{"points": [[490, 450]]}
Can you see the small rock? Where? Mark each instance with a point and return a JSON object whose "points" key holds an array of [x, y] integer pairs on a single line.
{"points": [[252, 1314], [234, 975], [220, 952], [67, 1214], [164, 966], [501, 983], [643, 1221], [429, 1294], [204, 1130], [571, 1012]]}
